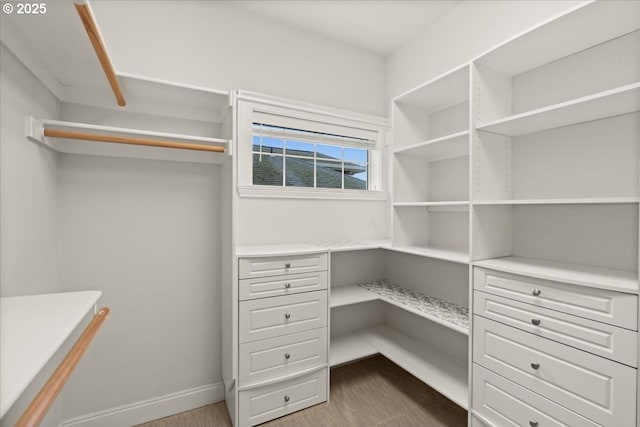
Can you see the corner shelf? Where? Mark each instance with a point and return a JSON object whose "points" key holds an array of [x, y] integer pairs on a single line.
{"points": [[444, 313], [565, 201], [614, 102], [428, 365], [35, 132], [446, 147], [446, 254], [577, 274], [348, 295], [349, 347]]}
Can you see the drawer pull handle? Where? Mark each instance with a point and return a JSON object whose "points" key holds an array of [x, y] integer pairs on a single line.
{"points": [[287, 285], [535, 366], [287, 356], [535, 321], [287, 316], [536, 292], [287, 265], [533, 423], [286, 398]]}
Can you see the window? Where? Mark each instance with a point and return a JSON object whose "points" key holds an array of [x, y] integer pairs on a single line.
{"points": [[289, 157]]}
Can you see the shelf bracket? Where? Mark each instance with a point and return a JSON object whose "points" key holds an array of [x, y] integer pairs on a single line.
{"points": [[34, 130]]}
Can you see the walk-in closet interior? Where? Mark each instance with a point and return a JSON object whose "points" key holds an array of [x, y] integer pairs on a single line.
{"points": [[312, 213]]}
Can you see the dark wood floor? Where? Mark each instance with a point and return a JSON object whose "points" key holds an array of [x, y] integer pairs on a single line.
{"points": [[372, 392]]}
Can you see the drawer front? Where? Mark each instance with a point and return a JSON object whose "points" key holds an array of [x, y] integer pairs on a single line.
{"points": [[272, 317], [262, 287], [595, 337], [615, 308], [501, 402], [597, 388], [281, 356], [266, 403], [277, 266]]}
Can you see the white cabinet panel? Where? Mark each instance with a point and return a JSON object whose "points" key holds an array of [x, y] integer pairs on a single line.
{"points": [[599, 338], [281, 356], [615, 308], [597, 388], [277, 266], [504, 403], [262, 287], [272, 317]]}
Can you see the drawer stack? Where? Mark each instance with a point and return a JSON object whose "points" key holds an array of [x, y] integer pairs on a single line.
{"points": [[552, 354], [282, 330]]}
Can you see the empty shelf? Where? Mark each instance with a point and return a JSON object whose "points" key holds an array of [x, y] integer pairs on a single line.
{"points": [[583, 201], [348, 348], [609, 103], [446, 147], [439, 311], [452, 255], [443, 91], [347, 295], [595, 277], [430, 366]]}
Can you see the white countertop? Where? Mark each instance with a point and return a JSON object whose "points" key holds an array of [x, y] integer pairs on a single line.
{"points": [[32, 329], [311, 247]]}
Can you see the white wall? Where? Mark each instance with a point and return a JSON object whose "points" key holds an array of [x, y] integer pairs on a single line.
{"points": [[146, 233], [216, 45], [28, 246], [467, 31]]}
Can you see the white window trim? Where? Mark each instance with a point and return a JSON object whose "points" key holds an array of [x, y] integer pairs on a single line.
{"points": [[254, 104]]}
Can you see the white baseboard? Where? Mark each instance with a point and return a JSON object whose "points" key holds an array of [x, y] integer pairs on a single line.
{"points": [[151, 409]]}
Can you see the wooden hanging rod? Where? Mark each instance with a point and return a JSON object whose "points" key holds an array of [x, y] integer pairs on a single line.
{"points": [[89, 23], [57, 133], [38, 408]]}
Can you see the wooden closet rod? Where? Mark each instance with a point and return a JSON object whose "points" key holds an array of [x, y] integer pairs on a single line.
{"points": [[56, 133], [83, 9], [34, 414]]}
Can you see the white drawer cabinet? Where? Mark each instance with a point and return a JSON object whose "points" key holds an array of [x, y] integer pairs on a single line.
{"points": [[280, 265], [272, 286], [272, 317], [597, 388], [501, 402], [280, 357], [282, 352], [605, 340], [614, 308], [266, 403]]}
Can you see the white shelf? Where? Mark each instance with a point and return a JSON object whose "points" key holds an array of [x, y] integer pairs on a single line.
{"points": [[349, 347], [446, 254], [444, 313], [352, 245], [446, 147], [584, 201], [36, 127], [443, 91], [430, 366], [451, 206], [32, 329], [609, 103], [583, 275], [347, 295], [587, 24]]}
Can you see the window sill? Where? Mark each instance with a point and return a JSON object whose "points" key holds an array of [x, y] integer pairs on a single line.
{"points": [[266, 191]]}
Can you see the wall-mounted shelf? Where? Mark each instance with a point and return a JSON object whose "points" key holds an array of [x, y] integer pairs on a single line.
{"points": [[445, 313], [583, 23], [446, 147], [446, 254], [441, 92], [428, 365], [349, 347], [449, 206], [348, 295], [583, 275], [601, 105], [170, 146], [566, 201]]}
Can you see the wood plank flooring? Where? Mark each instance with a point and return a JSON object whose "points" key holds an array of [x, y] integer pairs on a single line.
{"points": [[371, 392]]}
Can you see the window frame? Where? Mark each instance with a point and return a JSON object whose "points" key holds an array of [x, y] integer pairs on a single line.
{"points": [[250, 107]]}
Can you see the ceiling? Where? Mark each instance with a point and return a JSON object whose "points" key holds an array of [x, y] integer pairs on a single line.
{"points": [[380, 26]]}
